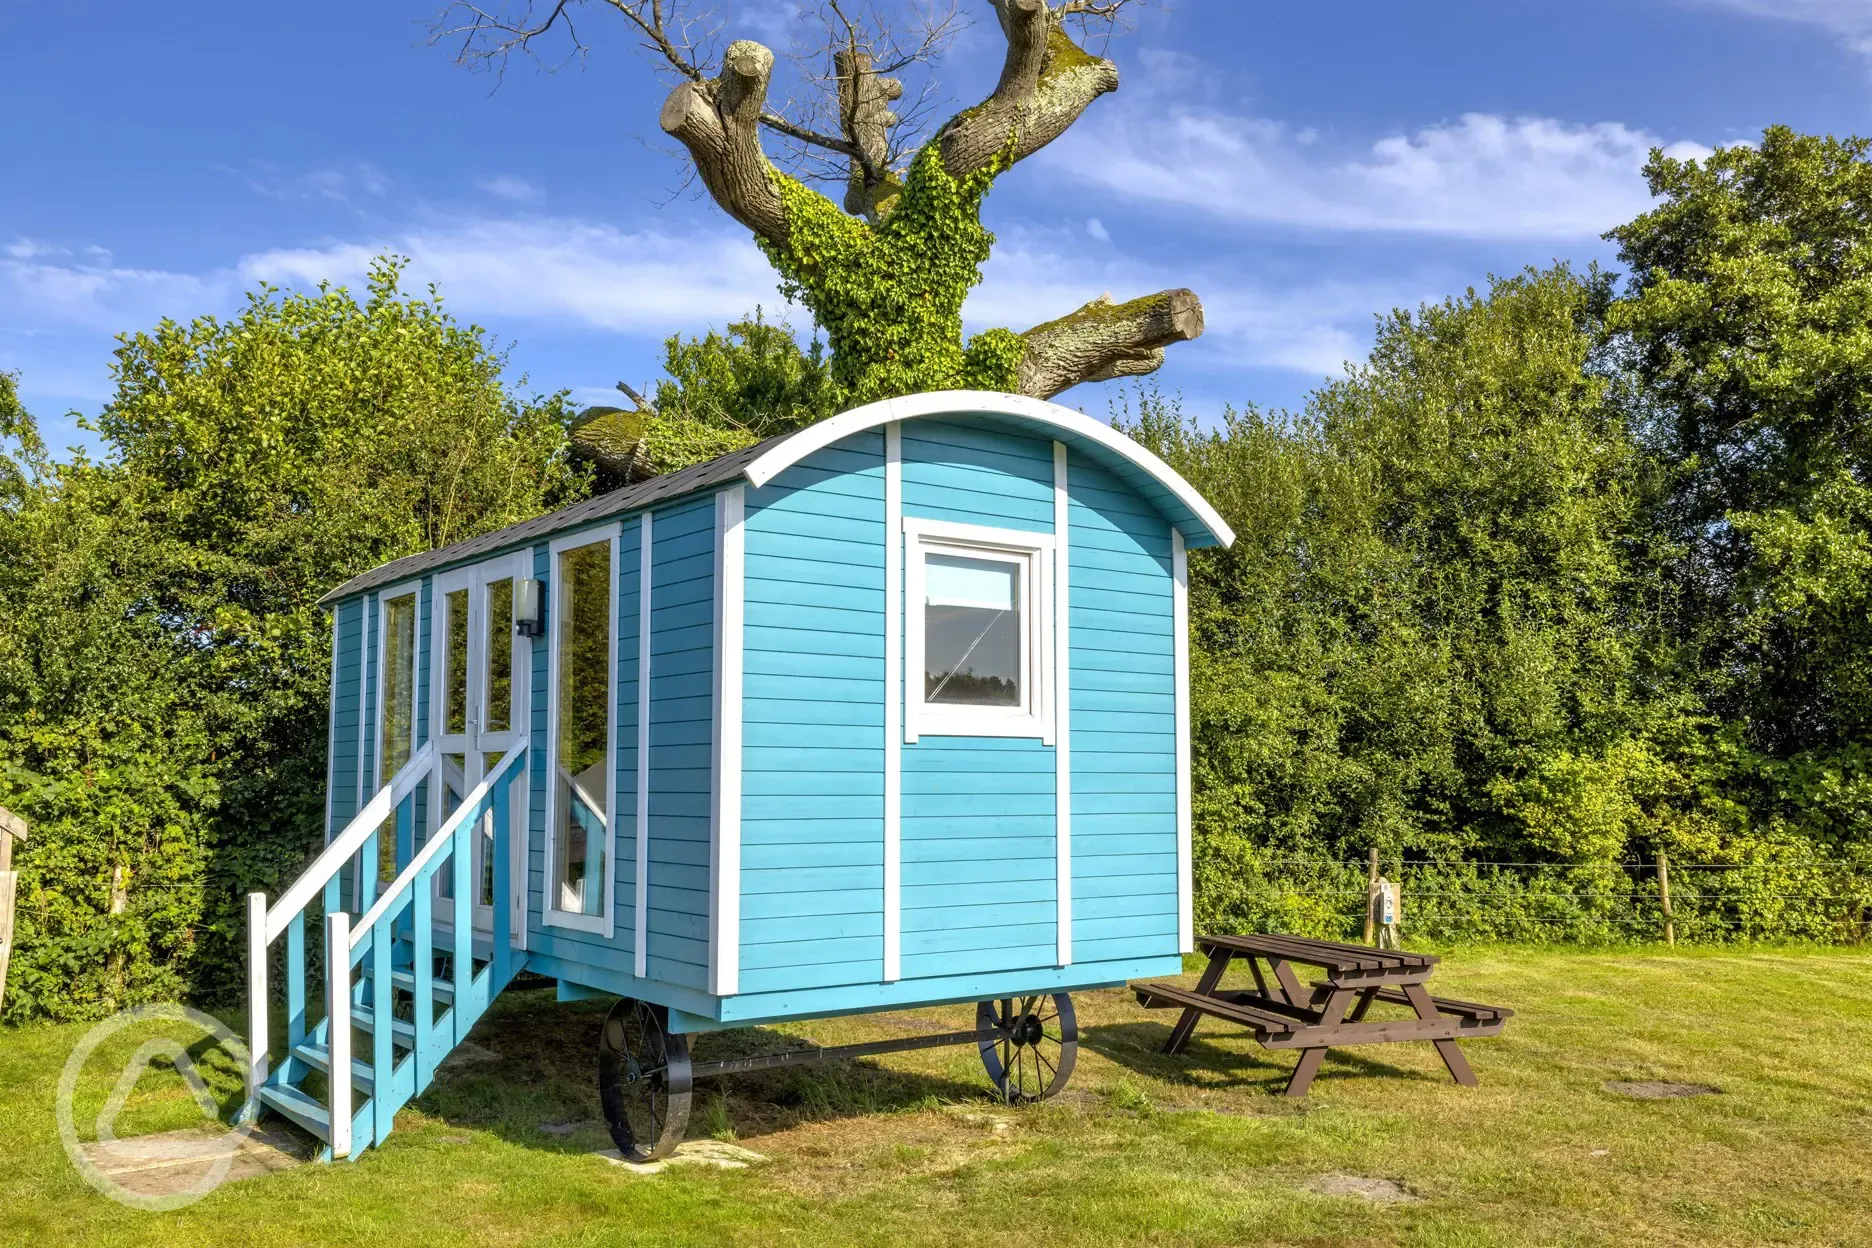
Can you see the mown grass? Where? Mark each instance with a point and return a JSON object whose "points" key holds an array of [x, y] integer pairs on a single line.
{"points": [[1200, 1149]]}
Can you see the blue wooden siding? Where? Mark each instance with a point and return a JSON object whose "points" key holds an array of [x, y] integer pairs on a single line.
{"points": [[371, 624], [1124, 839], [812, 813], [964, 470], [682, 739], [980, 874]]}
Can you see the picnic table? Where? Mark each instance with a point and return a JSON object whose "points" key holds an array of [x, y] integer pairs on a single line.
{"points": [[1282, 1013]]}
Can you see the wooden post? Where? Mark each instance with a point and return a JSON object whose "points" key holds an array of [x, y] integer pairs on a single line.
{"points": [[12, 828], [1371, 894], [1663, 888]]}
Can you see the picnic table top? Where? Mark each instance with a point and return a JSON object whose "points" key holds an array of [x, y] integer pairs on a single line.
{"points": [[1325, 953]]}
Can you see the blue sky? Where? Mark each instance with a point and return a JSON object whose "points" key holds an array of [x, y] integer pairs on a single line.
{"points": [[1302, 166]]}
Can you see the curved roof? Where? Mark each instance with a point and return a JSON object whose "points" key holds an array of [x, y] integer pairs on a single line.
{"points": [[1175, 498]]}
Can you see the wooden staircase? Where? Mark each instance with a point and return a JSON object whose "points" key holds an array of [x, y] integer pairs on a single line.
{"points": [[411, 986]]}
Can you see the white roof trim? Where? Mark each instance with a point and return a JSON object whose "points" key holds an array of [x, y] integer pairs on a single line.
{"points": [[817, 437]]}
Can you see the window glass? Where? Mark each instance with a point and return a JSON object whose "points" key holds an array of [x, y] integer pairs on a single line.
{"points": [[971, 631], [584, 701], [454, 789], [486, 852], [500, 634], [397, 716], [455, 664]]}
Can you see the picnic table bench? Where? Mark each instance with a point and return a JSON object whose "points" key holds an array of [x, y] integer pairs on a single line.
{"points": [[1281, 1013]]}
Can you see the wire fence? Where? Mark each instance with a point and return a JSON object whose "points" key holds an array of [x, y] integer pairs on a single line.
{"points": [[1827, 900]]}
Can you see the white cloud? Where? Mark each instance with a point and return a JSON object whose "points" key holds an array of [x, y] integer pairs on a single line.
{"points": [[519, 190], [43, 286], [1848, 21], [555, 270], [1096, 228], [336, 186], [1483, 176]]}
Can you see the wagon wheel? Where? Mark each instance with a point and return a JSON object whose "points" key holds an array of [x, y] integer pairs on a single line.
{"points": [[643, 1080], [1031, 1057]]}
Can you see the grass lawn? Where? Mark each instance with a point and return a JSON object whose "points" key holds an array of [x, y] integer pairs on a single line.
{"points": [[1200, 1149]]}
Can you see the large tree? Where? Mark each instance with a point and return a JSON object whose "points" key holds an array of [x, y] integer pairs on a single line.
{"points": [[1746, 325], [885, 272]]}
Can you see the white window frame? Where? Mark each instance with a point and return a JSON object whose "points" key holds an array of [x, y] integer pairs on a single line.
{"points": [[1033, 552], [385, 597], [550, 913]]}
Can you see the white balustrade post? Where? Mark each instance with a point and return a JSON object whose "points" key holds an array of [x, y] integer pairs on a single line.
{"points": [[338, 1015], [257, 1033]]}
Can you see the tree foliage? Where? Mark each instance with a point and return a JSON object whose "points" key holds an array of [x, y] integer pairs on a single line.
{"points": [[1746, 327], [164, 666]]}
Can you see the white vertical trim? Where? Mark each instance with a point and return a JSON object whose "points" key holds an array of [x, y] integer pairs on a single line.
{"points": [[258, 1031], [895, 679], [338, 1035], [1062, 705], [641, 906], [1179, 613], [611, 733], [725, 850]]}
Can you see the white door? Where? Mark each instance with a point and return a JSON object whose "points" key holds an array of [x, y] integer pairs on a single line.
{"points": [[482, 674]]}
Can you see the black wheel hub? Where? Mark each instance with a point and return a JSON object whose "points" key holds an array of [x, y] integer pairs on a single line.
{"points": [[1027, 1030]]}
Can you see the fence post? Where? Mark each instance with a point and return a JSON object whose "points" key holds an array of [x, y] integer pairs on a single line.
{"points": [[1663, 888], [1371, 893]]}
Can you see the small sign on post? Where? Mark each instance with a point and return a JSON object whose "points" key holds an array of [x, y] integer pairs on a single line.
{"points": [[1384, 912], [12, 828]]}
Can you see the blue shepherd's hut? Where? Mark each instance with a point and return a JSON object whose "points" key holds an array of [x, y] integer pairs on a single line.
{"points": [[888, 712]]}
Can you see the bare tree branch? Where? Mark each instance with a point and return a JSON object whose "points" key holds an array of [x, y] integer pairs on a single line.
{"points": [[718, 120], [1103, 340], [1047, 82]]}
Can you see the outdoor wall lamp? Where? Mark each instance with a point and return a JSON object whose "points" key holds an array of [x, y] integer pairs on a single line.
{"points": [[529, 618]]}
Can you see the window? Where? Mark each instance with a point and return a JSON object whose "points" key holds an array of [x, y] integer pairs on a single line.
{"points": [[396, 711], [977, 631], [583, 762]]}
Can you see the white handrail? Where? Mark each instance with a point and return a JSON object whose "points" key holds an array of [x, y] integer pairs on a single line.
{"points": [[347, 843], [436, 844]]}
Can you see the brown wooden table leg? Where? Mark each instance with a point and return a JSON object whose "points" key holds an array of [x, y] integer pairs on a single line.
{"points": [[1333, 1011], [1290, 983], [1446, 1049], [1366, 997], [1186, 1025], [1310, 1060]]}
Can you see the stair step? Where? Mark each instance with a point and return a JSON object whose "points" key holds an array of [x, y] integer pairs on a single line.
{"points": [[318, 1057], [298, 1107], [365, 1019], [441, 988]]}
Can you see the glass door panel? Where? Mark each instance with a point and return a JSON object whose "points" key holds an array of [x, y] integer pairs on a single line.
{"points": [[479, 710]]}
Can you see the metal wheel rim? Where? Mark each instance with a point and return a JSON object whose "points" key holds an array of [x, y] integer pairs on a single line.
{"points": [[1031, 1056], [644, 1080]]}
